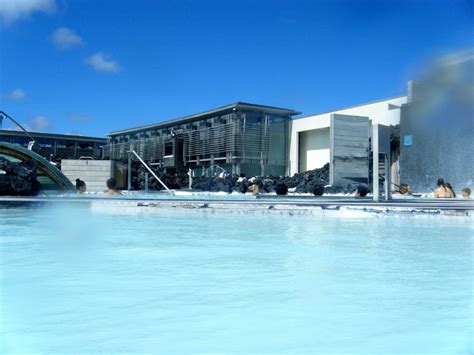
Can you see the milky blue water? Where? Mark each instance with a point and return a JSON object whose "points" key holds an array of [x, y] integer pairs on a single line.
{"points": [[77, 281]]}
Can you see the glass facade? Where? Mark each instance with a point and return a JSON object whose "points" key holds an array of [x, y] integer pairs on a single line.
{"points": [[56, 147], [251, 141]]}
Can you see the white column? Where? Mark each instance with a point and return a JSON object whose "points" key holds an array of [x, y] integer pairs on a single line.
{"points": [[388, 176], [375, 162]]}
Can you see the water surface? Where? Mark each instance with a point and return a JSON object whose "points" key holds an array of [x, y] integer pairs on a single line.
{"points": [[74, 280]]}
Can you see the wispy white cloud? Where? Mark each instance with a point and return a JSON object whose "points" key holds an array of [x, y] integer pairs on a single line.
{"points": [[33, 124], [13, 127], [102, 62], [15, 10], [39, 123], [74, 116], [65, 38], [17, 94]]}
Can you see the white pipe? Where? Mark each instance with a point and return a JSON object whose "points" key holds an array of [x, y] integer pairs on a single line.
{"points": [[152, 172]]}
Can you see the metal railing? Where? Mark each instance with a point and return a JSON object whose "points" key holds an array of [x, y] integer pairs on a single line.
{"points": [[3, 116], [151, 171]]}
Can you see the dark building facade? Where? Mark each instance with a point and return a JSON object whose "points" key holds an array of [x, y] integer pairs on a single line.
{"points": [[240, 138], [57, 146]]}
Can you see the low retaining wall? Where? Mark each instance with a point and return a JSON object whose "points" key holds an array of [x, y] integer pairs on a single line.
{"points": [[94, 172]]}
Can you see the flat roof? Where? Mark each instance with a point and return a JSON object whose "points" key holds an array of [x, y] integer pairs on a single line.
{"points": [[195, 117], [11, 132], [352, 106]]}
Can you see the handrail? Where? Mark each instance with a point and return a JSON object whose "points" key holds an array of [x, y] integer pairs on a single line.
{"points": [[3, 115], [151, 171], [218, 167]]}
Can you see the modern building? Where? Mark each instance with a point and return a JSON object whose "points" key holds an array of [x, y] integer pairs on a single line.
{"points": [[240, 138], [57, 146], [310, 141], [263, 140]]}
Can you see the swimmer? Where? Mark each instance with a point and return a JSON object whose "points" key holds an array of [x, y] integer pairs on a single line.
{"points": [[404, 189], [443, 190], [466, 192], [80, 186], [112, 187]]}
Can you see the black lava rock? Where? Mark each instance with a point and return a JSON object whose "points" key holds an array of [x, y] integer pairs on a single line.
{"points": [[19, 179], [318, 189], [304, 182]]}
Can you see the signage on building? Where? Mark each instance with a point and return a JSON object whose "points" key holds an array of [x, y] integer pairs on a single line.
{"points": [[408, 140]]}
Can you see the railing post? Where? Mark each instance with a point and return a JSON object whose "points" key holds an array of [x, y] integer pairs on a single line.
{"points": [[375, 162], [146, 181], [129, 172], [388, 176]]}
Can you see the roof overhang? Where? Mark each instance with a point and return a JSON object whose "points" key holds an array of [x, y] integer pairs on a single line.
{"points": [[10, 133], [238, 106]]}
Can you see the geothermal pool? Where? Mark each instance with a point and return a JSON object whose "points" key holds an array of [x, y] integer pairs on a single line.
{"points": [[77, 279]]}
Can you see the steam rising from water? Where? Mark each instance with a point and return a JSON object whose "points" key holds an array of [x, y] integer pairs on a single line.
{"points": [[75, 234], [445, 94]]}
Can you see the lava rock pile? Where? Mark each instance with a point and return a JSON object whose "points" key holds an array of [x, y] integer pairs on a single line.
{"points": [[312, 181], [18, 179]]}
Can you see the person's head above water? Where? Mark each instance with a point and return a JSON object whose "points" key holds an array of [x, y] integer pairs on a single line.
{"points": [[281, 189], [111, 184], [80, 186], [362, 190], [405, 189], [466, 192], [112, 187], [440, 182]]}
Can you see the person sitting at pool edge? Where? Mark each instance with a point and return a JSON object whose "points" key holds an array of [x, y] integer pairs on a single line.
{"points": [[253, 190], [80, 186], [112, 187], [466, 192]]}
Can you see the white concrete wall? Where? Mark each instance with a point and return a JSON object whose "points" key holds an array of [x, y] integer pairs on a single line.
{"points": [[378, 112], [313, 149], [95, 173]]}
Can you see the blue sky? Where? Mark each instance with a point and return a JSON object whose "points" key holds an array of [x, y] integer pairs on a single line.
{"points": [[89, 67]]}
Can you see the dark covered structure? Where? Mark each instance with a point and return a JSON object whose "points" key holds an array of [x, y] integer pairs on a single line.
{"points": [[238, 138], [57, 146], [25, 173]]}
